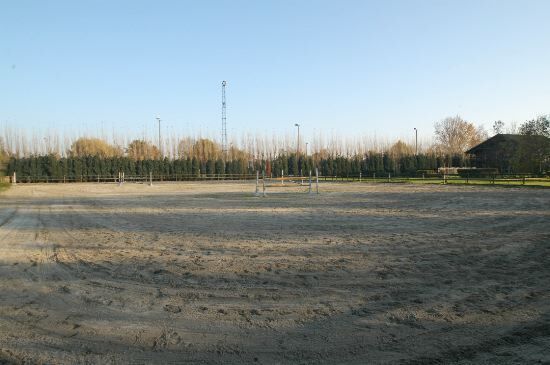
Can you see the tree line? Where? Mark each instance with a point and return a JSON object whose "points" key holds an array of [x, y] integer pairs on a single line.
{"points": [[91, 157], [88, 168]]}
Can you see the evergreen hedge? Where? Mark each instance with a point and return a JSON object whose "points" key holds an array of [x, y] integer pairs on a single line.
{"points": [[88, 168]]}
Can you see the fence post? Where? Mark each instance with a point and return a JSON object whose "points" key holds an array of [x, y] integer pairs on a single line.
{"points": [[150, 178], [263, 184], [14, 180], [317, 179], [282, 177], [257, 193], [360, 175], [309, 182]]}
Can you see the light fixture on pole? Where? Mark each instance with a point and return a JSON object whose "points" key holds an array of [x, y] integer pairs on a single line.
{"points": [[298, 144], [160, 149], [416, 142]]}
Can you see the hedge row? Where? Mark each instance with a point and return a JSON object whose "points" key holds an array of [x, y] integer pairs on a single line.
{"points": [[57, 168]]}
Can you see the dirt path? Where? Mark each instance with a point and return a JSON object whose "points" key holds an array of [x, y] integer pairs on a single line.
{"points": [[190, 273]]}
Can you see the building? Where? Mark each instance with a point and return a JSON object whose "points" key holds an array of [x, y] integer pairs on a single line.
{"points": [[512, 153]]}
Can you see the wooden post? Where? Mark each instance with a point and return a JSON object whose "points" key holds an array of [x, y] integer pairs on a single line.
{"points": [[317, 179]]}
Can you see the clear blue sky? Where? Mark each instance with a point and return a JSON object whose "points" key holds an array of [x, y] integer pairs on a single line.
{"points": [[355, 67]]}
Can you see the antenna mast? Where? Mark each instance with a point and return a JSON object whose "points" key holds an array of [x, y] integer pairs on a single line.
{"points": [[224, 122]]}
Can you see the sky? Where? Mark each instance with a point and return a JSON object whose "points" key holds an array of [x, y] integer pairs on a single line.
{"points": [[378, 68]]}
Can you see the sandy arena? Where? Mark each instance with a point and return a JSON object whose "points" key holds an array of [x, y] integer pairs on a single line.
{"points": [[209, 274]]}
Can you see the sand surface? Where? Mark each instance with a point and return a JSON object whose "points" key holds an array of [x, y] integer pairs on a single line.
{"points": [[209, 274]]}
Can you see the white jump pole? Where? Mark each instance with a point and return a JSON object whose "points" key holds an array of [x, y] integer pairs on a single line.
{"points": [[360, 175], [263, 184], [317, 179], [14, 180], [310, 182], [119, 179], [257, 193], [150, 178], [282, 177], [123, 179]]}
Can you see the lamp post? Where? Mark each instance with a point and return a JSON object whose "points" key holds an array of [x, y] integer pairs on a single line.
{"points": [[306, 148], [298, 148], [298, 142], [416, 141], [160, 149]]}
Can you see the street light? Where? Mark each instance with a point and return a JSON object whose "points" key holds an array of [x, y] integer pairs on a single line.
{"points": [[298, 149], [416, 141], [306, 148], [298, 144], [159, 137]]}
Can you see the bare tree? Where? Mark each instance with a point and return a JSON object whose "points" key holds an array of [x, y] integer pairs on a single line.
{"points": [[454, 135], [142, 150], [512, 128], [90, 147], [498, 127], [400, 149], [205, 149], [185, 147]]}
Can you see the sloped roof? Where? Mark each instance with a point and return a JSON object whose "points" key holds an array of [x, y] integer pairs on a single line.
{"points": [[500, 138]]}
